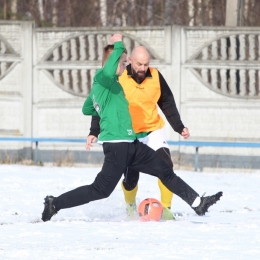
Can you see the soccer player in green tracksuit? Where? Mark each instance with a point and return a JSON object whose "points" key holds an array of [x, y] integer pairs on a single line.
{"points": [[120, 145]]}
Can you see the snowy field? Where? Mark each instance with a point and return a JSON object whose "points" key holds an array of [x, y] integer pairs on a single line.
{"points": [[101, 230]]}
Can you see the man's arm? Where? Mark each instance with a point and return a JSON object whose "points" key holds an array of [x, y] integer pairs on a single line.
{"points": [[106, 77], [94, 127], [94, 132], [88, 108], [167, 104]]}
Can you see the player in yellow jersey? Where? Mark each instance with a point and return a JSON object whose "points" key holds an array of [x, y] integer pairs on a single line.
{"points": [[146, 89]]}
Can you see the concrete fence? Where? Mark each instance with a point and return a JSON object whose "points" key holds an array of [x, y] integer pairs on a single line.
{"points": [[46, 74]]}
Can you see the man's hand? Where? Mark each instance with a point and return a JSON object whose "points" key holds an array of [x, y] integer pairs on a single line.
{"points": [[90, 140], [116, 38], [185, 133]]}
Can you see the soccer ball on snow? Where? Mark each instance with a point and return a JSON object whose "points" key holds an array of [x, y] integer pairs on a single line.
{"points": [[150, 210]]}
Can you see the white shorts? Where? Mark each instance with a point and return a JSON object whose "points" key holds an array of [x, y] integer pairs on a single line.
{"points": [[155, 140]]}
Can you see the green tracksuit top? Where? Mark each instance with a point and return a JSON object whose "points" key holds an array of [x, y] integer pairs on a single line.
{"points": [[107, 100]]}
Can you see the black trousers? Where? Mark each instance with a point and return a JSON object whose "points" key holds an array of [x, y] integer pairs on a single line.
{"points": [[118, 157], [131, 176]]}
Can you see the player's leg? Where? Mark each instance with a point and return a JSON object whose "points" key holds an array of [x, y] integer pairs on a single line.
{"points": [[116, 160], [147, 161], [130, 186], [157, 141], [166, 194]]}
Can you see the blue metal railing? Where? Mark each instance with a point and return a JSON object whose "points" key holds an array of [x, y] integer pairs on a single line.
{"points": [[198, 144], [36, 140], [195, 144], [43, 139]]}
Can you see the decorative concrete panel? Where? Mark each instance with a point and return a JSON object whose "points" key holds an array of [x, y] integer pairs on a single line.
{"points": [[59, 121], [46, 74], [11, 84], [11, 117]]}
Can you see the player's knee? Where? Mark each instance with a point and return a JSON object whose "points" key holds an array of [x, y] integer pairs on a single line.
{"points": [[167, 175], [165, 154], [106, 193], [165, 172], [130, 179], [130, 186]]}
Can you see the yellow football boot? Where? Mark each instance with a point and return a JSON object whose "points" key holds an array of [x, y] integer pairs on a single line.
{"points": [[130, 196]]}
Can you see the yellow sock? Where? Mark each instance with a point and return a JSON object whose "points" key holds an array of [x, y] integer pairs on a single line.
{"points": [[130, 195], [166, 195]]}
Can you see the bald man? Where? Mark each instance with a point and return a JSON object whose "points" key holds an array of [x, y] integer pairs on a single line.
{"points": [[145, 88]]}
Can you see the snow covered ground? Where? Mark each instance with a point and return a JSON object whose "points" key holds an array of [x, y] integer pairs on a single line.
{"points": [[101, 230]]}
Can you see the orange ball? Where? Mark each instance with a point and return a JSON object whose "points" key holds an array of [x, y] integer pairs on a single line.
{"points": [[150, 210]]}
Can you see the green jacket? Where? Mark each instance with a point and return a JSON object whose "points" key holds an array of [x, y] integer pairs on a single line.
{"points": [[107, 100]]}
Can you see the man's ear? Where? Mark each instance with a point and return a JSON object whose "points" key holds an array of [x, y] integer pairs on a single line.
{"points": [[129, 59]]}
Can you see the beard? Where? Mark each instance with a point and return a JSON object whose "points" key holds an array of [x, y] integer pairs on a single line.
{"points": [[139, 76]]}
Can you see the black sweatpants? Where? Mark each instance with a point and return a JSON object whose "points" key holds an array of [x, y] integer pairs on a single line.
{"points": [[131, 176], [118, 157]]}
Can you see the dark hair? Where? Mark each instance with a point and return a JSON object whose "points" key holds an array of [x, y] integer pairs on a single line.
{"points": [[107, 51]]}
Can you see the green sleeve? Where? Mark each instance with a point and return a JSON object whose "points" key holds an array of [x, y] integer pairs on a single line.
{"points": [[106, 76], [88, 108]]}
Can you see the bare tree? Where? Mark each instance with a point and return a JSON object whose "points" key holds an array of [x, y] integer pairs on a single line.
{"points": [[40, 4], [13, 9], [133, 12], [124, 12], [68, 13], [150, 12], [168, 6], [103, 12], [234, 12], [55, 12]]}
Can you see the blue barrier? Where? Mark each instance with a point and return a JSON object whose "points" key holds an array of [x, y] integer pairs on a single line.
{"points": [[43, 139], [195, 144], [215, 144], [198, 144], [36, 140]]}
